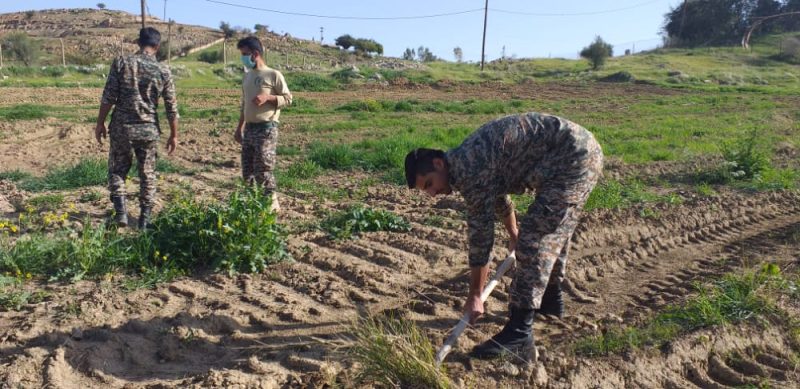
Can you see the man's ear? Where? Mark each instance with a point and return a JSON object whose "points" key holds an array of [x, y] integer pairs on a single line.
{"points": [[438, 163]]}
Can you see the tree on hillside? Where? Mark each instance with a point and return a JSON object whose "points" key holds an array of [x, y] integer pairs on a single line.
{"points": [[261, 28], [227, 30], [719, 22], [597, 52], [22, 47], [425, 54], [345, 41], [368, 46], [409, 54], [459, 54], [101, 5]]}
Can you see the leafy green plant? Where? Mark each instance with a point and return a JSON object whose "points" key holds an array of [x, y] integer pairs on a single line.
{"points": [[357, 219], [239, 235], [333, 156], [744, 158], [87, 172], [396, 353]]}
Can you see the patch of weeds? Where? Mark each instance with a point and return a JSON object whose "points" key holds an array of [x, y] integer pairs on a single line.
{"points": [[215, 132], [288, 150], [704, 189], [24, 112], [615, 195], [357, 219], [311, 82], [733, 299], [238, 235], [303, 170], [90, 196], [43, 203], [439, 221], [15, 175], [396, 353], [333, 156], [13, 296]]}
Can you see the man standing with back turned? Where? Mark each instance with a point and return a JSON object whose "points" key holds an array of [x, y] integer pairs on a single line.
{"points": [[135, 82], [264, 93], [559, 160]]}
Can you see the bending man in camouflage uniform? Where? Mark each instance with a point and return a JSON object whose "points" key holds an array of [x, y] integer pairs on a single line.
{"points": [[557, 159], [264, 93], [134, 85]]}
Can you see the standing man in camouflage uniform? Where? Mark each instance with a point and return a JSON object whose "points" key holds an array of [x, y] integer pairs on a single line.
{"points": [[264, 93], [135, 82], [561, 162]]}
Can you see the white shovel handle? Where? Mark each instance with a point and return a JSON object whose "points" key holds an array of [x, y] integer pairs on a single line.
{"points": [[462, 324]]}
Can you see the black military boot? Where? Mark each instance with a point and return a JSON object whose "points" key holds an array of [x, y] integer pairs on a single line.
{"points": [[552, 302], [120, 213], [144, 218], [516, 337]]}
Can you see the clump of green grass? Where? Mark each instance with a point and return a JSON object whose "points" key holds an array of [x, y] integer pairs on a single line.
{"points": [[333, 156], [357, 219], [15, 175], [288, 150], [90, 196], [616, 194], [24, 112], [311, 82], [730, 300], [87, 172], [303, 170], [396, 353]]}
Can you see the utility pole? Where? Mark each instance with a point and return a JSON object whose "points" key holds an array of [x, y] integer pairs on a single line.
{"points": [[165, 10], [321, 37], [483, 46], [143, 13], [683, 19], [63, 57], [1, 55], [169, 39], [224, 51]]}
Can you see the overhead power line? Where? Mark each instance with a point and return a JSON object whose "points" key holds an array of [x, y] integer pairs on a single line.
{"points": [[347, 17], [608, 11]]}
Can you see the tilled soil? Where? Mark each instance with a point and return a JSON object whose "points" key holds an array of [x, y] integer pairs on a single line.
{"points": [[291, 324]]}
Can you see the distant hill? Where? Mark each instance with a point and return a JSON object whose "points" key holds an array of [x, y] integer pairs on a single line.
{"points": [[98, 35], [95, 35]]}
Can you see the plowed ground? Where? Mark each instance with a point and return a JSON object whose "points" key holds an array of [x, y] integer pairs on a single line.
{"points": [[290, 326]]}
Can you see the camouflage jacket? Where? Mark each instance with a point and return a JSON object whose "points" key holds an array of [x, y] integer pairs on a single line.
{"points": [[134, 85], [511, 155]]}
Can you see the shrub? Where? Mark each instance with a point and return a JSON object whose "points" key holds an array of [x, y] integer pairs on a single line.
{"points": [[744, 158], [597, 53], [22, 47], [357, 219], [213, 56]]}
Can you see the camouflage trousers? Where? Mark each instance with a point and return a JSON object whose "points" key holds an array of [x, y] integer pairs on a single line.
{"points": [[119, 164], [546, 229], [259, 143]]}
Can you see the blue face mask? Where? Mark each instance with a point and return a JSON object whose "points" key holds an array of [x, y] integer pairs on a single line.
{"points": [[248, 62]]}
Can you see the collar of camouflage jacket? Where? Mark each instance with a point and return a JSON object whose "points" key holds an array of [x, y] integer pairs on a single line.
{"points": [[454, 171]]}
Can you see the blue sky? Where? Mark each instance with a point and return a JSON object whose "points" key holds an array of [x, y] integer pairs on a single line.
{"points": [[559, 34]]}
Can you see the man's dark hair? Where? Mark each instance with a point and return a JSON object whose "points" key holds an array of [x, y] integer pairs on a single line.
{"points": [[420, 162], [149, 37], [251, 43]]}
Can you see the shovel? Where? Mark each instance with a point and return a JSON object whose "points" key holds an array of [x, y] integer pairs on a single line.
{"points": [[462, 324]]}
